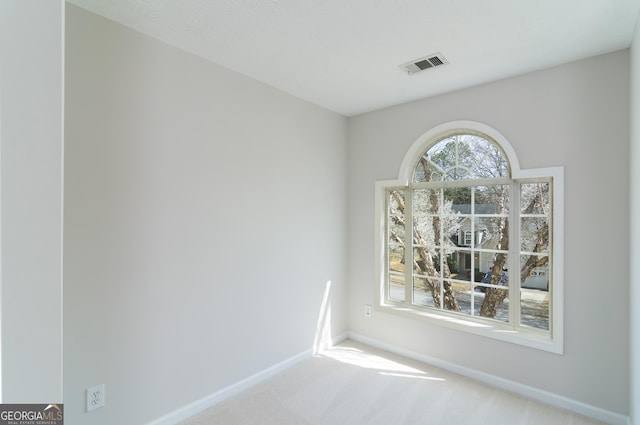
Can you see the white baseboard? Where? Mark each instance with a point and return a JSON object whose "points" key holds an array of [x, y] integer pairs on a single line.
{"points": [[175, 417], [198, 406], [501, 383]]}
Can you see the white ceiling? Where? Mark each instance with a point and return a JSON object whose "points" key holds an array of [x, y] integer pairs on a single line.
{"points": [[344, 54]]}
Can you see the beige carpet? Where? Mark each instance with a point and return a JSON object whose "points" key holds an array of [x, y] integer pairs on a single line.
{"points": [[355, 384]]}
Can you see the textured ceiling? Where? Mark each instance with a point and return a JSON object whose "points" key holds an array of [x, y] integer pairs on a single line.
{"points": [[344, 54]]}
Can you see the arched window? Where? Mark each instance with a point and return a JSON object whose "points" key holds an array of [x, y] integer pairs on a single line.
{"points": [[464, 235]]}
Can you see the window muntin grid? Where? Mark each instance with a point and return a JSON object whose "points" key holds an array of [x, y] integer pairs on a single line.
{"points": [[459, 214]]}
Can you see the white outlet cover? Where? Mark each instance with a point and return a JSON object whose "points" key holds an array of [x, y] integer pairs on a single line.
{"points": [[95, 397]]}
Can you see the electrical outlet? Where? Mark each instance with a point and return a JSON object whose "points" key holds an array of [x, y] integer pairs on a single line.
{"points": [[367, 310], [95, 397]]}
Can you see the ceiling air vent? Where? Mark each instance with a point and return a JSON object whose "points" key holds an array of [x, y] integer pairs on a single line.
{"points": [[427, 62]]}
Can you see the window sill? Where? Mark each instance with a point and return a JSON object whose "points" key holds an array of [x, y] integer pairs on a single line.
{"points": [[524, 336]]}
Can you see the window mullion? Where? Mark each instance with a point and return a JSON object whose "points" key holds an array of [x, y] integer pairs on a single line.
{"points": [[514, 254], [408, 244], [440, 242], [473, 250], [460, 183]]}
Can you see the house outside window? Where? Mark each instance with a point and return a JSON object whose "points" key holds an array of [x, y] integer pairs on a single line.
{"points": [[466, 238]]}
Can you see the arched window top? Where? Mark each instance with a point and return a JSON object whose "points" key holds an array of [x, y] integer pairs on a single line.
{"points": [[462, 156], [459, 150]]}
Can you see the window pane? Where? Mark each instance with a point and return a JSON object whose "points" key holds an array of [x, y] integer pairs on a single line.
{"points": [[396, 217], [493, 303], [422, 292], [455, 215], [396, 259], [534, 309], [424, 171], [423, 231], [459, 263], [490, 231], [492, 199], [426, 222], [426, 232], [396, 202], [462, 293], [534, 272], [468, 265], [498, 262], [426, 201], [534, 234], [436, 161], [459, 198], [396, 287], [488, 159], [534, 198], [426, 262], [396, 230]]}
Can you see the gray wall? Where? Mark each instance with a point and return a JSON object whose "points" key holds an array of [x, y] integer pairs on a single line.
{"points": [[204, 216], [31, 109], [574, 116]]}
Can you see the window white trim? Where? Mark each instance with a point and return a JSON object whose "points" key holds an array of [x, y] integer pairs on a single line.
{"points": [[552, 340]]}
